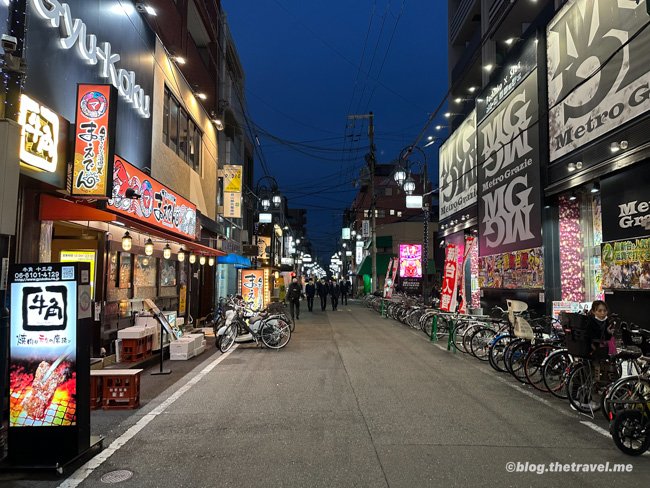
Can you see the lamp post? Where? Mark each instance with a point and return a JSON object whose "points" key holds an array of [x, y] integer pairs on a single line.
{"points": [[403, 179], [267, 198]]}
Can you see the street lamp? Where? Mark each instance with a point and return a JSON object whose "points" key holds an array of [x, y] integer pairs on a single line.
{"points": [[409, 188]]}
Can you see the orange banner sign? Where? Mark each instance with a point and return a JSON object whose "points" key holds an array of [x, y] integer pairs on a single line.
{"points": [[93, 144], [252, 287], [153, 204]]}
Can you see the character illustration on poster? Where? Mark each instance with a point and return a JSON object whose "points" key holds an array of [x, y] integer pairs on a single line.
{"points": [[518, 269], [626, 264], [42, 375], [410, 263]]}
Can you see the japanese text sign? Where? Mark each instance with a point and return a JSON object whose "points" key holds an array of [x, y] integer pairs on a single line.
{"points": [[448, 293], [93, 142], [157, 205], [410, 261], [252, 288], [39, 135]]}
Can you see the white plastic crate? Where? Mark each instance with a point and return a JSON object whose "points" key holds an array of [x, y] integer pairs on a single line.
{"points": [[179, 356], [132, 333], [197, 339], [182, 346]]}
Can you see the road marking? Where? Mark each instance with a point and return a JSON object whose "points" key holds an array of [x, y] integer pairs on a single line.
{"points": [[86, 470], [602, 431]]}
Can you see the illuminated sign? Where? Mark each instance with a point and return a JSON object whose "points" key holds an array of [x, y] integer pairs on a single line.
{"points": [[414, 201], [252, 287], [39, 135], [410, 261], [231, 178], [74, 32], [345, 233], [359, 252], [43, 345], [157, 205], [232, 205], [82, 257], [92, 166], [266, 218]]}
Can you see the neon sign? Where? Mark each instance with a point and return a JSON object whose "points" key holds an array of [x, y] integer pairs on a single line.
{"points": [[74, 31], [39, 135], [410, 261]]}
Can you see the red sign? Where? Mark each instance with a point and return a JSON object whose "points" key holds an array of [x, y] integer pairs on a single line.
{"points": [[469, 242], [92, 163], [448, 293], [157, 205]]}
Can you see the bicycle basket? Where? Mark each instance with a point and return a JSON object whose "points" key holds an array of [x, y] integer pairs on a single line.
{"points": [[575, 334]]}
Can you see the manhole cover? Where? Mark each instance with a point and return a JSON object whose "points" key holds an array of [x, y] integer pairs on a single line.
{"points": [[117, 476]]}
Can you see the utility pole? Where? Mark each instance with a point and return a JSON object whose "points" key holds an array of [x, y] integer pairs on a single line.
{"points": [[372, 161]]}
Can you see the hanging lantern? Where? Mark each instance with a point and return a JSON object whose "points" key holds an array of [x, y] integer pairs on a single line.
{"points": [[127, 241], [167, 252], [202, 260], [192, 258], [211, 261], [181, 255], [148, 247]]}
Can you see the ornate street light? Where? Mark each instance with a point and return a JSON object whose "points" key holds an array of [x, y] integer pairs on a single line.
{"points": [[399, 176], [409, 186], [266, 204]]}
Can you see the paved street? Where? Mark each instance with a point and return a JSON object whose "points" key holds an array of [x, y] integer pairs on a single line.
{"points": [[353, 400]]}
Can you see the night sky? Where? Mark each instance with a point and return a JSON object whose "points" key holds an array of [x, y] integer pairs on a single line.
{"points": [[308, 65]]}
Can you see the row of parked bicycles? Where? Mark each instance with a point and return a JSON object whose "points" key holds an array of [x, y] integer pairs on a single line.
{"points": [[236, 322], [551, 355]]}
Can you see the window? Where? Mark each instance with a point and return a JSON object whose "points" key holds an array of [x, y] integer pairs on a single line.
{"points": [[380, 214], [388, 192], [180, 133], [399, 213], [392, 211], [366, 213]]}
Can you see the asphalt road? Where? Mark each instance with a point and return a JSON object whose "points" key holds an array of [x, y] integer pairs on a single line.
{"points": [[353, 400]]}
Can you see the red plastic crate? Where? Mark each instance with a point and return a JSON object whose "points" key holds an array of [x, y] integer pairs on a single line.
{"points": [[96, 392], [136, 349], [121, 389]]}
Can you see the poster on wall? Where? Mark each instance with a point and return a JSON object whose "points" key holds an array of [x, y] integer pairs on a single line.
{"points": [[457, 173], [92, 167], [410, 261], [82, 257], [509, 192], [156, 205], [626, 265], [252, 287], [597, 78], [448, 299], [625, 204], [515, 270]]}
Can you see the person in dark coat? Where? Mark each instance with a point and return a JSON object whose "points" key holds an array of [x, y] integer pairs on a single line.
{"points": [[323, 290], [335, 292], [293, 294], [344, 292], [599, 328], [310, 291]]}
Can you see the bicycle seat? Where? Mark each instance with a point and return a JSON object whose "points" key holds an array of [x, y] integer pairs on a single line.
{"points": [[627, 355]]}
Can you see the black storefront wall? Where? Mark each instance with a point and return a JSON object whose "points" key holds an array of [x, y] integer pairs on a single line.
{"points": [[53, 71], [509, 184]]}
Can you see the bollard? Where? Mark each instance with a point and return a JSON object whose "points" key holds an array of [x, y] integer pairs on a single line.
{"points": [[434, 329]]}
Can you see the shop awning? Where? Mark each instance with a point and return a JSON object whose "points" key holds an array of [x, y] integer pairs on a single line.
{"points": [[382, 241], [53, 208], [382, 265], [236, 259]]}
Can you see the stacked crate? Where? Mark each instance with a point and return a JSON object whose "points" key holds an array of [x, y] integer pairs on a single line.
{"points": [[137, 342]]}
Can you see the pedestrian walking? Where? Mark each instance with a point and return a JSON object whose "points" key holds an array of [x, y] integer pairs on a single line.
{"points": [[310, 291], [293, 295], [335, 292], [344, 292], [323, 291]]}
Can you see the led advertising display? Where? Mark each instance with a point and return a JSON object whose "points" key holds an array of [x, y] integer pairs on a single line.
{"points": [[410, 261], [42, 369]]}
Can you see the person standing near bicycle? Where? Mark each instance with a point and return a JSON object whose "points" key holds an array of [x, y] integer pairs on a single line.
{"points": [[310, 291], [323, 291], [293, 295], [599, 328]]}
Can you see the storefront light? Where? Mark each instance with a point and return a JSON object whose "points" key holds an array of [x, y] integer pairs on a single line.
{"points": [[211, 261], [167, 252], [127, 241], [181, 254], [148, 247], [192, 258], [202, 260]]}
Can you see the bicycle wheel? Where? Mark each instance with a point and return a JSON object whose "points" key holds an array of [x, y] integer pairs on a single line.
{"points": [[479, 345], [442, 329], [507, 354], [631, 432], [275, 333], [497, 350], [626, 394], [555, 372], [457, 334], [533, 368], [580, 386], [228, 338], [517, 365], [467, 337]]}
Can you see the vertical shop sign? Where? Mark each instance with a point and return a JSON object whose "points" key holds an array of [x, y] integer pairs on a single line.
{"points": [[92, 167], [365, 228], [39, 135], [469, 243], [410, 261], [509, 207], [182, 300], [598, 70], [387, 280], [252, 288], [156, 205], [448, 299], [457, 174], [393, 278], [232, 191]]}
